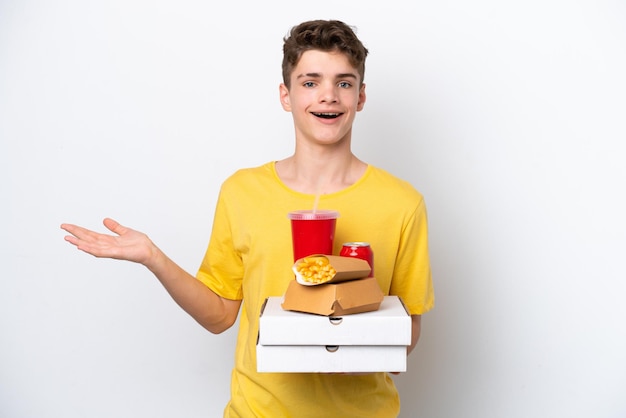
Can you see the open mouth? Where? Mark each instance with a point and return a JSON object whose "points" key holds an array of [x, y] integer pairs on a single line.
{"points": [[327, 115]]}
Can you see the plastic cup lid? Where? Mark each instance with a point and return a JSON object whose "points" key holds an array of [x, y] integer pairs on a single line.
{"points": [[309, 215]]}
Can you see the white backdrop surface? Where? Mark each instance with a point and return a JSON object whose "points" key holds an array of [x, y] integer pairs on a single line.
{"points": [[507, 116]]}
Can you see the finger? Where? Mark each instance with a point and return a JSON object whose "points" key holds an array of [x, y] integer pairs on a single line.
{"points": [[98, 245], [78, 231], [94, 243], [114, 226], [71, 239], [67, 227], [88, 246]]}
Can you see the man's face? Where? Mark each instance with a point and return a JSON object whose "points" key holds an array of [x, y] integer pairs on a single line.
{"points": [[324, 97]]}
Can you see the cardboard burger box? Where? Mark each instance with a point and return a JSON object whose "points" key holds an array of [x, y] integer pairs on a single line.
{"points": [[345, 298], [298, 342], [347, 291]]}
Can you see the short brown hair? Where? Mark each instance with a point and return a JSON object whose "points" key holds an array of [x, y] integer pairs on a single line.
{"points": [[322, 35]]}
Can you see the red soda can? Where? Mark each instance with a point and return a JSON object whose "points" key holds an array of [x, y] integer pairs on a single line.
{"points": [[361, 250]]}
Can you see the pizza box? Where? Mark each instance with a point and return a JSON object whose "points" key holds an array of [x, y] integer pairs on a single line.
{"points": [[390, 324], [331, 359]]}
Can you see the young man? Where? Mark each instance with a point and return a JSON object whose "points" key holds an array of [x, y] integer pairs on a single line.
{"points": [[249, 254]]}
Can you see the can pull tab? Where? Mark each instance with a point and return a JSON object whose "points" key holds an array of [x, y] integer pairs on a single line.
{"points": [[335, 320]]}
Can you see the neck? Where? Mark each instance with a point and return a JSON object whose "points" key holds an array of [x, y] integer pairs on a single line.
{"points": [[320, 173]]}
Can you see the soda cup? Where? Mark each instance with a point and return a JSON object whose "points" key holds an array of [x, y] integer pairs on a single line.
{"points": [[312, 232], [361, 250]]}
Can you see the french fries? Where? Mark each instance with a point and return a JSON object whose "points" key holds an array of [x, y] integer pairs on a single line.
{"points": [[315, 269]]}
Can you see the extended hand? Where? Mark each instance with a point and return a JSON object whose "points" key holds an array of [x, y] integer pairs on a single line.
{"points": [[127, 244]]}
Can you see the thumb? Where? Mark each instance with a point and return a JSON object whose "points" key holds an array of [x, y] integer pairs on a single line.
{"points": [[114, 226]]}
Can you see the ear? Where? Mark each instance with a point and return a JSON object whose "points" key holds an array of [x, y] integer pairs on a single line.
{"points": [[362, 97], [283, 92]]}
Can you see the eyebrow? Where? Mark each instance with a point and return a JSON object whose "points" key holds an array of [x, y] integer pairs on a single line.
{"points": [[319, 75]]}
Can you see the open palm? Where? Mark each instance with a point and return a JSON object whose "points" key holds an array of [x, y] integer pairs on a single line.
{"points": [[126, 244]]}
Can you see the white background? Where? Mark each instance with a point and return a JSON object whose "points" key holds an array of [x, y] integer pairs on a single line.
{"points": [[508, 116]]}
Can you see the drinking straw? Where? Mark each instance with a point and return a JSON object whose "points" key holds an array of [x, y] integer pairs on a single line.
{"points": [[317, 199]]}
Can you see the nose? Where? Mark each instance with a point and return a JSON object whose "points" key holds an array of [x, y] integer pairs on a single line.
{"points": [[328, 93]]}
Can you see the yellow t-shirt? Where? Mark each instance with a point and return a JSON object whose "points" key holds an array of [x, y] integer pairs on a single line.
{"points": [[249, 257]]}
